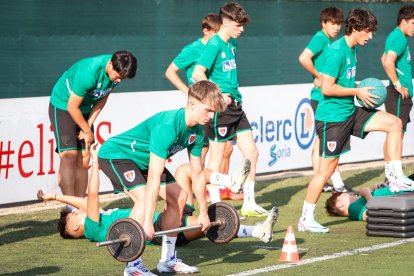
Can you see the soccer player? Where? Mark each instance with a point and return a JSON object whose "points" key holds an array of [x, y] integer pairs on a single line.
{"points": [[186, 60], [352, 205], [135, 161], [396, 60], [76, 101], [337, 118], [218, 63], [312, 59], [93, 223]]}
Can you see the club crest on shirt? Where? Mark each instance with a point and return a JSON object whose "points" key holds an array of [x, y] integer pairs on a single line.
{"points": [[222, 131], [129, 175], [331, 145], [192, 139]]}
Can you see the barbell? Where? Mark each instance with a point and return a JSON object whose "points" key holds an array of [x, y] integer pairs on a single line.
{"points": [[125, 238]]}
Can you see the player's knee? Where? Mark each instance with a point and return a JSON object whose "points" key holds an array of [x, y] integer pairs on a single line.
{"points": [[69, 158]]}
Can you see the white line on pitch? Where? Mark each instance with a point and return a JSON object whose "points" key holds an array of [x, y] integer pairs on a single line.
{"points": [[275, 247], [323, 258]]}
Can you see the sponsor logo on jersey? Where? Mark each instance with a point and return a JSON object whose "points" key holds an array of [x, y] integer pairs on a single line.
{"points": [[129, 175], [192, 139], [331, 145], [351, 72], [174, 149], [222, 131], [100, 93], [229, 65]]}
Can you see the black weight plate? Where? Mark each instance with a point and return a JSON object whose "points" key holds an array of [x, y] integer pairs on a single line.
{"points": [[230, 222]]}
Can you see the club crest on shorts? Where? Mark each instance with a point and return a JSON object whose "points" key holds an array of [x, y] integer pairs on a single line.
{"points": [[331, 145], [192, 139], [222, 131], [129, 175]]}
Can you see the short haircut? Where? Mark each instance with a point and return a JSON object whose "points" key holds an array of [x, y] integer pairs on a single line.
{"points": [[360, 20], [330, 205], [125, 64], [62, 224], [208, 92], [405, 13], [211, 22], [333, 15], [234, 12]]}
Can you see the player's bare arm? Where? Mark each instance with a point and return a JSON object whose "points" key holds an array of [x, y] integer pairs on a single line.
{"points": [[199, 73], [172, 75]]}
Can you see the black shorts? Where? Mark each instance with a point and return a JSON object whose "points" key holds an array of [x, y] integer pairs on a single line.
{"points": [[395, 105], [181, 239], [335, 137], [226, 124], [314, 105], [125, 174], [66, 130]]}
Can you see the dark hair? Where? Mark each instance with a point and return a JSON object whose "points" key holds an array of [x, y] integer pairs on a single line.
{"points": [[62, 224], [211, 22], [332, 14], [234, 12], [330, 205], [405, 13], [360, 20], [125, 64]]}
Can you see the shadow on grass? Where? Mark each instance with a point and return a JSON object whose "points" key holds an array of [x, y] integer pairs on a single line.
{"points": [[363, 177], [35, 271], [24, 230]]}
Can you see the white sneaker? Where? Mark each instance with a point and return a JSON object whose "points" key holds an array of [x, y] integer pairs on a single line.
{"points": [[138, 269], [253, 210], [266, 231], [239, 176], [401, 183], [311, 225], [176, 266]]}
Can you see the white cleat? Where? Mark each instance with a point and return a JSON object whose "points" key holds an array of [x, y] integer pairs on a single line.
{"points": [[266, 231], [138, 269], [311, 225], [253, 210], [402, 183], [176, 266], [239, 176]]}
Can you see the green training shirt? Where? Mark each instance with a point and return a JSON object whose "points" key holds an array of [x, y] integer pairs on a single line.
{"points": [[340, 63], [164, 134], [318, 45], [187, 58], [86, 78], [219, 57], [96, 231], [398, 43], [357, 208]]}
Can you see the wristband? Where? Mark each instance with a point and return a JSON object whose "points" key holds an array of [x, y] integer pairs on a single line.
{"points": [[397, 84]]}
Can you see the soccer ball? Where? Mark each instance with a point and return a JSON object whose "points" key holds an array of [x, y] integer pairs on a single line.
{"points": [[379, 90]]}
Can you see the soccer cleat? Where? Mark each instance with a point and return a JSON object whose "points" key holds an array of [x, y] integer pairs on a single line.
{"points": [[401, 183], [138, 269], [343, 189], [311, 225], [175, 265], [234, 196], [327, 188], [266, 228], [253, 210], [224, 193], [239, 177]]}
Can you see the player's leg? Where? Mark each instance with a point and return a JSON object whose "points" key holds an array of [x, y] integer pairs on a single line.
{"points": [[82, 164], [175, 201], [183, 178], [225, 164], [215, 160], [250, 152], [67, 169], [392, 126]]}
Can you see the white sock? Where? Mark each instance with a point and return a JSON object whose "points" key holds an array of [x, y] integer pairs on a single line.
{"points": [[396, 168], [220, 179], [214, 192], [248, 191], [245, 231], [386, 170], [131, 264], [168, 248], [337, 180], [308, 209]]}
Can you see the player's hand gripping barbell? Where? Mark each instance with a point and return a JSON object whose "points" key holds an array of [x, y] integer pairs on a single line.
{"points": [[126, 238]]}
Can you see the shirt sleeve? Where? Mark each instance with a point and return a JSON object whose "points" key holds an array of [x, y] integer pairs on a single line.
{"points": [[396, 45], [91, 229], [333, 63], [357, 209], [315, 45], [185, 58], [209, 56], [84, 81], [197, 147]]}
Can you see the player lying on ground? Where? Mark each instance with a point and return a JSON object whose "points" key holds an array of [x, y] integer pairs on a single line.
{"points": [[352, 205]]}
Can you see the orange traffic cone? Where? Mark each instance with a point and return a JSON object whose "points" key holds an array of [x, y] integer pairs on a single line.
{"points": [[289, 250]]}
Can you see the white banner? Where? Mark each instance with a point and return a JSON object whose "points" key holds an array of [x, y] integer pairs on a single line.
{"points": [[280, 115]]}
